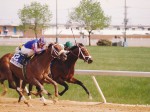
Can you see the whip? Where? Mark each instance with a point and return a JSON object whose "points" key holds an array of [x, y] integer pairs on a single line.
{"points": [[74, 36]]}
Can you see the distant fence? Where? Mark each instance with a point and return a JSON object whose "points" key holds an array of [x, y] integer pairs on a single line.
{"points": [[133, 42], [94, 73], [10, 41]]}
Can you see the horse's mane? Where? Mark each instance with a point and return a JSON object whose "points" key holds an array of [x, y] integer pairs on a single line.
{"points": [[75, 46]]}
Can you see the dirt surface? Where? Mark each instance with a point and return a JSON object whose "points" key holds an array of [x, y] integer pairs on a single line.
{"points": [[11, 105]]}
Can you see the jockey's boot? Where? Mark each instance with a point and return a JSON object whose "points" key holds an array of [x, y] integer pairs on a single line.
{"points": [[24, 61]]}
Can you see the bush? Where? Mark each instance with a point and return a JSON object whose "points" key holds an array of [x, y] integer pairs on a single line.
{"points": [[104, 42]]}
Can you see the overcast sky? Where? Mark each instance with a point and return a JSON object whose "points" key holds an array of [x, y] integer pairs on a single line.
{"points": [[138, 11]]}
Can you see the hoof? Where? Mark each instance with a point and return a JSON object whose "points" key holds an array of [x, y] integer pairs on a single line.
{"points": [[29, 97], [55, 100], [4, 93], [60, 94], [34, 93], [90, 97], [44, 104], [50, 97], [28, 104]]}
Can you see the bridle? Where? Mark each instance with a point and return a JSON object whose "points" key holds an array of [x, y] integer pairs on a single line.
{"points": [[85, 58], [55, 53]]}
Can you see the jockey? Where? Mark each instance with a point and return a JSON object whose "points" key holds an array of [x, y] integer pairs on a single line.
{"points": [[67, 45], [32, 47]]}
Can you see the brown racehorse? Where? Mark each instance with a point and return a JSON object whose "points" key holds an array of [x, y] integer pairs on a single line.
{"points": [[37, 75], [63, 72], [4, 70]]}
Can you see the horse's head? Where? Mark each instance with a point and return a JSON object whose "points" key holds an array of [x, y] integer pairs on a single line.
{"points": [[81, 52], [57, 51]]}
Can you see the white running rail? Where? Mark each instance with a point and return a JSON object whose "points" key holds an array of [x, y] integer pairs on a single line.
{"points": [[112, 73], [93, 73]]}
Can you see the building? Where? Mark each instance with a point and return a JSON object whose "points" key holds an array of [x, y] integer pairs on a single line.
{"points": [[77, 32]]}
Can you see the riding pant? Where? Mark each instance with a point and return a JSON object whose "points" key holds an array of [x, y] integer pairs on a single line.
{"points": [[27, 51]]}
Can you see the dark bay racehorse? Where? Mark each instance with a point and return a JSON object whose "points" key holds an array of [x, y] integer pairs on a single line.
{"points": [[63, 72], [37, 70]]}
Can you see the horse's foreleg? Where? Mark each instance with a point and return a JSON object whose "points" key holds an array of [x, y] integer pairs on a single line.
{"points": [[38, 84], [54, 83], [40, 89], [61, 82], [36, 93], [75, 81], [42, 98]]}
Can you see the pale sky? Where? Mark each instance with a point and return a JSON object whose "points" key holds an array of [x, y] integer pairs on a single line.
{"points": [[138, 11]]}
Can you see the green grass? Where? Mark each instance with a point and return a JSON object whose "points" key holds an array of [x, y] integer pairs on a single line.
{"points": [[129, 90], [118, 58]]}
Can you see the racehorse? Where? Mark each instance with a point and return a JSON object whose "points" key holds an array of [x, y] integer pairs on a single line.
{"points": [[4, 70], [37, 75], [63, 72]]}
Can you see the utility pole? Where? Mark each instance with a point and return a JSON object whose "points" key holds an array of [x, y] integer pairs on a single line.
{"points": [[56, 25], [125, 24]]}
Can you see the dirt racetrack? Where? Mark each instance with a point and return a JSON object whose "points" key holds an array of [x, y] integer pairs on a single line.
{"points": [[11, 105]]}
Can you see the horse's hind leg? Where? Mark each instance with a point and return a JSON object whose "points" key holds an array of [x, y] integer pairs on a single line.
{"points": [[30, 89], [75, 81], [19, 90], [4, 88], [25, 89], [10, 78]]}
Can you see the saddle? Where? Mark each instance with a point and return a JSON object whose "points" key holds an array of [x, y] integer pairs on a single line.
{"points": [[20, 60]]}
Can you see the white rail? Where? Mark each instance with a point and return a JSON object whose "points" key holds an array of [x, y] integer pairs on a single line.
{"points": [[113, 73], [110, 73]]}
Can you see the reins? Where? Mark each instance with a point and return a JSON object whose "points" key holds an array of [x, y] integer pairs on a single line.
{"points": [[80, 52]]}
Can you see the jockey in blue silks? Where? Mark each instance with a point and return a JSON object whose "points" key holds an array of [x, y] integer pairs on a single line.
{"points": [[32, 47]]}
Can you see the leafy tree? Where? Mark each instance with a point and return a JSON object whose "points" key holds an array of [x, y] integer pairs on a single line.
{"points": [[34, 16], [22, 15], [90, 15]]}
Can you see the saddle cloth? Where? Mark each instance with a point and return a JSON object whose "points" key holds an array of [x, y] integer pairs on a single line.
{"points": [[17, 60]]}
